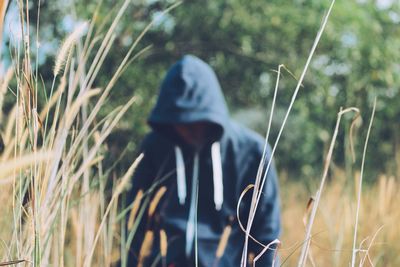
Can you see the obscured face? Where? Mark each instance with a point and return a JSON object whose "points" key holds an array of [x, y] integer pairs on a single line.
{"points": [[195, 134]]}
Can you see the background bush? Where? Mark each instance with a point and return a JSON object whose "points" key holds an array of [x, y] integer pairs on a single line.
{"points": [[245, 41]]}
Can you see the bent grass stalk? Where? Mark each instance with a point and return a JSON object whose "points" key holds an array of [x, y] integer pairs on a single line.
{"points": [[306, 245], [353, 257], [259, 184]]}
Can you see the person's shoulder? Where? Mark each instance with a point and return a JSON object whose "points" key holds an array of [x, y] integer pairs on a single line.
{"points": [[245, 134], [247, 138]]}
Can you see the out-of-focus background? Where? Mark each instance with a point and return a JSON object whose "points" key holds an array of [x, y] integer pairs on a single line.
{"points": [[357, 59]]}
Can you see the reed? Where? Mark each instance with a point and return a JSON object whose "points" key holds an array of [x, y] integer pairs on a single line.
{"points": [[51, 165]]}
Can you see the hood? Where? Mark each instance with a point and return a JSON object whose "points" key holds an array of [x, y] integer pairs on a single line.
{"points": [[190, 93]]}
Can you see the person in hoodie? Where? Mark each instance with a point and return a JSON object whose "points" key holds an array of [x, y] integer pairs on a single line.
{"points": [[205, 160]]}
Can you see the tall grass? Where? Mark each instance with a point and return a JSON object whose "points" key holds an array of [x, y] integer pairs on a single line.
{"points": [[333, 228], [54, 209]]}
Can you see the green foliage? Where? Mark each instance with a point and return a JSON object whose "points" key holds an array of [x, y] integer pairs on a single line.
{"points": [[245, 41]]}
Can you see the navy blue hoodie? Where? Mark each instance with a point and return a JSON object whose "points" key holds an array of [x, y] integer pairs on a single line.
{"points": [[191, 93]]}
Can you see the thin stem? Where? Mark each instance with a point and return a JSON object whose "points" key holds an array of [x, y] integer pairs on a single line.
{"points": [[353, 258]]}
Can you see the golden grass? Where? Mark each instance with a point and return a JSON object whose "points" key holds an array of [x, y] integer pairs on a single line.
{"points": [[332, 237], [54, 211], [223, 242], [163, 245], [135, 209], [156, 199], [145, 250]]}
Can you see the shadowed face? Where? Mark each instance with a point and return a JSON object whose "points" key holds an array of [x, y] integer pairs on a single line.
{"points": [[195, 134]]}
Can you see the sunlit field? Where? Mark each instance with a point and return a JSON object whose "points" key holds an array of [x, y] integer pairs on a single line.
{"points": [[62, 203]]}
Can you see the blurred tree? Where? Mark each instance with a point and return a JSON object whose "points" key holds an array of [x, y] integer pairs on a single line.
{"points": [[245, 41]]}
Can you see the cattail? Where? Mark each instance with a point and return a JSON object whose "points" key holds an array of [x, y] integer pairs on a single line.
{"points": [[163, 247], [153, 205], [147, 245], [223, 242], [135, 209], [67, 45]]}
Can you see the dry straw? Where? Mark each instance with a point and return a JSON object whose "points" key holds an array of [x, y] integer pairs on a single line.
{"points": [[66, 47], [61, 201], [135, 209], [145, 250], [22, 163], [307, 239], [163, 247], [154, 203], [120, 187], [260, 180], [9, 263], [353, 258], [223, 242]]}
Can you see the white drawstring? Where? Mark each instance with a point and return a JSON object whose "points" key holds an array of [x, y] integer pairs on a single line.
{"points": [[191, 228], [217, 175], [180, 175]]}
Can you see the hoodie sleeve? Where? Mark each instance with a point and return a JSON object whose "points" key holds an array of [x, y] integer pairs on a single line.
{"points": [[266, 225]]}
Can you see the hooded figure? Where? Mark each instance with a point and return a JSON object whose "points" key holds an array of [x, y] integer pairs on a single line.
{"points": [[205, 160]]}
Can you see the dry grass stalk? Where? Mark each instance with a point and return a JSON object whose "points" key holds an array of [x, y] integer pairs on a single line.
{"points": [[135, 209], [268, 247], [9, 263], [259, 184], [223, 242], [24, 162], [122, 66], [54, 99], [306, 245], [156, 199], [163, 247], [120, 187], [353, 258], [363, 260], [332, 243], [54, 181], [66, 47], [308, 210], [146, 248], [244, 192]]}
